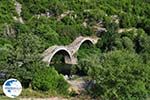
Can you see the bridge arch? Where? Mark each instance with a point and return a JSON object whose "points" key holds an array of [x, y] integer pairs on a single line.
{"points": [[66, 54], [86, 40], [68, 58], [76, 44]]}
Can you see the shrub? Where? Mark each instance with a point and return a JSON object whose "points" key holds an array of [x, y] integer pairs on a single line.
{"points": [[47, 79], [128, 44], [127, 20], [118, 43], [87, 58], [121, 75], [7, 10]]}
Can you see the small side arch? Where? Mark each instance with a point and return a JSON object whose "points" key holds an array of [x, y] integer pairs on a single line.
{"points": [[85, 40], [75, 45]]}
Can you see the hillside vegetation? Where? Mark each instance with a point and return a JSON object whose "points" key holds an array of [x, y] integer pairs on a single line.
{"points": [[118, 65]]}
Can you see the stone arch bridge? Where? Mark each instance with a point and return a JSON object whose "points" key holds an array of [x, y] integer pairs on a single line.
{"points": [[67, 51]]}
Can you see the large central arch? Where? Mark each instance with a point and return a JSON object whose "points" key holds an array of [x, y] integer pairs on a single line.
{"points": [[52, 51], [64, 52], [60, 56]]}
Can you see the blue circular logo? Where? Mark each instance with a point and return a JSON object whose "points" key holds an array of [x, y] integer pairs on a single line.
{"points": [[12, 88]]}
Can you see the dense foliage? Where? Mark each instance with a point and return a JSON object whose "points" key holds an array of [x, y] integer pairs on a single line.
{"points": [[47, 79], [121, 75], [119, 62]]}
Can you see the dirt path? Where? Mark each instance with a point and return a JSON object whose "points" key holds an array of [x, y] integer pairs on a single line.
{"points": [[51, 98]]}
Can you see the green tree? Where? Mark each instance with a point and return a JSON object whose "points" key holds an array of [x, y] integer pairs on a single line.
{"points": [[121, 75], [46, 78]]}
